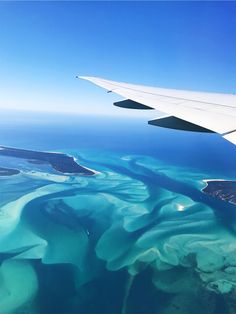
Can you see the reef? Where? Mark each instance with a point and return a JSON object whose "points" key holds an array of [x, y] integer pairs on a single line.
{"points": [[132, 239], [8, 171]]}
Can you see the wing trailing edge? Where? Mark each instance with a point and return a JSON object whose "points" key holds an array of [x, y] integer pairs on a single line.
{"points": [[231, 137]]}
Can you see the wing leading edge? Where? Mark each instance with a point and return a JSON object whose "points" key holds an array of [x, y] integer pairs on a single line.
{"points": [[186, 110]]}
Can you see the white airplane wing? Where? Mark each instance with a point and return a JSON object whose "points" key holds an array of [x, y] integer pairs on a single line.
{"points": [[185, 110]]}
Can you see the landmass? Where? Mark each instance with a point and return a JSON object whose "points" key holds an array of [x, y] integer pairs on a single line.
{"points": [[8, 171], [222, 189], [60, 162]]}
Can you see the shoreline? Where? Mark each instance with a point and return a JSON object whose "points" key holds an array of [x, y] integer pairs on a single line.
{"points": [[222, 189], [60, 162]]}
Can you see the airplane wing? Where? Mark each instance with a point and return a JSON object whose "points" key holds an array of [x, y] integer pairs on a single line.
{"points": [[184, 110]]}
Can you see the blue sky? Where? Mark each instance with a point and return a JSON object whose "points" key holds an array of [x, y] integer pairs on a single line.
{"points": [[44, 45]]}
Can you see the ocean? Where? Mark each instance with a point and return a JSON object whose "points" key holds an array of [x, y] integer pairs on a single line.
{"points": [[138, 237]]}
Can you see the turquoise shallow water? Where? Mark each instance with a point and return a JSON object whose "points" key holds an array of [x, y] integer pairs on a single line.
{"points": [[139, 237]]}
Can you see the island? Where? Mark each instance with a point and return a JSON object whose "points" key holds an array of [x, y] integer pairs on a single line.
{"points": [[60, 162], [8, 172], [224, 190]]}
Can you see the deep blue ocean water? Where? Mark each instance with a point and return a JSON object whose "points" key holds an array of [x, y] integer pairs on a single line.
{"points": [[137, 238]]}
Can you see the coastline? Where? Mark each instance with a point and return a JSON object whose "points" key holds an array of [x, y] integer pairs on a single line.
{"points": [[221, 189], [60, 162]]}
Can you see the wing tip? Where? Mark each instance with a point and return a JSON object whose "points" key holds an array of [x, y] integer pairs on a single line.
{"points": [[87, 78], [82, 77]]}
